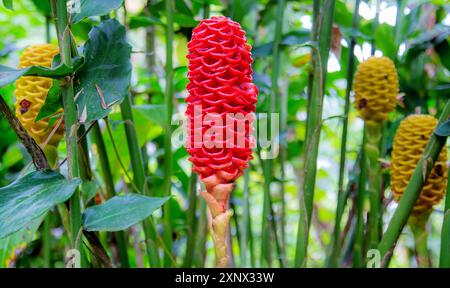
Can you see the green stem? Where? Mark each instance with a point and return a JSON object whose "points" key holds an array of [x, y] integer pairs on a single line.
{"points": [[202, 232], [412, 191], [271, 107], [139, 179], [110, 190], [418, 225], [322, 25], [375, 26], [372, 149], [59, 8], [245, 220], [168, 99], [46, 239], [359, 247], [444, 259], [192, 221], [341, 195]]}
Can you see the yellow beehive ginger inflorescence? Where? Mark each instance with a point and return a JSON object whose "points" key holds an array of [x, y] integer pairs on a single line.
{"points": [[31, 92], [409, 143], [376, 88]]}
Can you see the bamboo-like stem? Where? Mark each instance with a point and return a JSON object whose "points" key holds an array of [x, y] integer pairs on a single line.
{"points": [[192, 210], [110, 190], [341, 197], [245, 220], [59, 8], [418, 225], [192, 221], [201, 232], [412, 191], [373, 132], [168, 99], [322, 26], [359, 247], [444, 258], [139, 179], [46, 231], [46, 241], [375, 26], [282, 109], [271, 107]]}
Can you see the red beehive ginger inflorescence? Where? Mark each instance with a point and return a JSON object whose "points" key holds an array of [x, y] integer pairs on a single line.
{"points": [[221, 106]]}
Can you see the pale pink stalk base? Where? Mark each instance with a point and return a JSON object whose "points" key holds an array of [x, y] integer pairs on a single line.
{"points": [[217, 195]]}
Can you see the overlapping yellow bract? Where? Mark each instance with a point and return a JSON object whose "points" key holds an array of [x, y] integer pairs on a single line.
{"points": [[31, 92], [376, 88], [409, 143]]}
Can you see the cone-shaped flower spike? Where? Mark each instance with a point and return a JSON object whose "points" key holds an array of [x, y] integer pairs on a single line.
{"points": [[409, 143], [221, 104], [31, 92], [376, 88]]}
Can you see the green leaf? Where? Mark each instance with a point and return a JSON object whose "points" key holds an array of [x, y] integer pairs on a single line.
{"points": [[8, 4], [52, 102], [120, 212], [105, 78], [153, 113], [384, 37], [8, 74], [44, 7], [443, 130], [289, 39], [144, 21], [30, 197], [185, 20], [90, 8], [12, 156], [18, 241]]}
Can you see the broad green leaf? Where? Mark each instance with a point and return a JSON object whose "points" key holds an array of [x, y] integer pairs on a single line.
{"points": [[17, 242], [289, 39], [30, 197], [185, 20], [52, 102], [8, 4], [43, 6], [443, 130], [144, 21], [120, 212], [88, 8], [105, 78], [9, 75], [153, 113]]}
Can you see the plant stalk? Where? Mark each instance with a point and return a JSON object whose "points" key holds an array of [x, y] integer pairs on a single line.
{"points": [[110, 189], [168, 157], [444, 258], [59, 8], [418, 225], [335, 251], [373, 132], [139, 179], [271, 107], [412, 191], [321, 36], [359, 245]]}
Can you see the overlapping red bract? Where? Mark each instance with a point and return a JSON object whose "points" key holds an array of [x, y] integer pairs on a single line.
{"points": [[220, 76]]}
